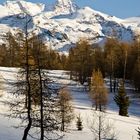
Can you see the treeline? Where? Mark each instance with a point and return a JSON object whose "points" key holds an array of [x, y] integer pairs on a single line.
{"points": [[115, 59], [12, 54]]}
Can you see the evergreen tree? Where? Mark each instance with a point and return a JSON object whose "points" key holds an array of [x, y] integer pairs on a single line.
{"points": [[79, 123], [122, 101], [138, 131]]}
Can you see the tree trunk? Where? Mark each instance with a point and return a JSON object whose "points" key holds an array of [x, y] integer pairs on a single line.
{"points": [[96, 107], [62, 125], [26, 131], [125, 64], [110, 83], [63, 121], [28, 87], [100, 107], [41, 106], [41, 93], [100, 128]]}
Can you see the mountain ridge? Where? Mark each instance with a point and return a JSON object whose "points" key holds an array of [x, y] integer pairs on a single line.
{"points": [[65, 23]]}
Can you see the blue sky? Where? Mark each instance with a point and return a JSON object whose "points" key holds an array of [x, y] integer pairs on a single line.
{"points": [[119, 8]]}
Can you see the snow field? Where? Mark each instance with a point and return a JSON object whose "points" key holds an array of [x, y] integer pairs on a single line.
{"points": [[124, 127]]}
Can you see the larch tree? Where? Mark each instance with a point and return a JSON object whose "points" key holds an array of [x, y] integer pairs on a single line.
{"points": [[98, 91], [3, 55], [136, 70], [65, 109], [110, 58], [136, 76], [81, 60], [40, 112], [45, 98], [101, 127], [28, 94]]}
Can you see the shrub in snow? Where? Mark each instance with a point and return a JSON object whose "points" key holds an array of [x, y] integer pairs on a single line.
{"points": [[79, 123], [138, 130]]}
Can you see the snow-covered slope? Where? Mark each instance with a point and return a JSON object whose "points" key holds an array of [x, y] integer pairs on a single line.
{"points": [[134, 24], [123, 127], [63, 25], [135, 21], [65, 6], [17, 7]]}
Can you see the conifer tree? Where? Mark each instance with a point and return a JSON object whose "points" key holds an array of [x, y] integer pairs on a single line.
{"points": [[136, 75], [110, 58], [79, 123], [101, 127], [98, 91], [81, 60], [138, 131], [65, 110], [122, 101]]}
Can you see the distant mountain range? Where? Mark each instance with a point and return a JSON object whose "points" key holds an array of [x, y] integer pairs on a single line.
{"points": [[63, 24]]}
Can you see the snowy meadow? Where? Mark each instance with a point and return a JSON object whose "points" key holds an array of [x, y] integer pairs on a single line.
{"points": [[123, 128]]}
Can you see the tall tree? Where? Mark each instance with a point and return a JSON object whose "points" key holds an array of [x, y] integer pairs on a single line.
{"points": [[136, 75], [3, 55], [136, 65], [44, 98], [42, 111], [122, 101], [110, 57], [38, 69], [98, 91], [81, 60], [28, 93], [65, 110]]}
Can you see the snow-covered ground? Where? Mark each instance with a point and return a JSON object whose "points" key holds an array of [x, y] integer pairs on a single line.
{"points": [[124, 127]]}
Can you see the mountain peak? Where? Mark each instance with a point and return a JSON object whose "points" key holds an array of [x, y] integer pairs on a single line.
{"points": [[20, 6], [64, 23], [65, 6]]}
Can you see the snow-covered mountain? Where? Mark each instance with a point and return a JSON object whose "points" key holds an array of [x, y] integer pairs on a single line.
{"points": [[63, 25]]}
